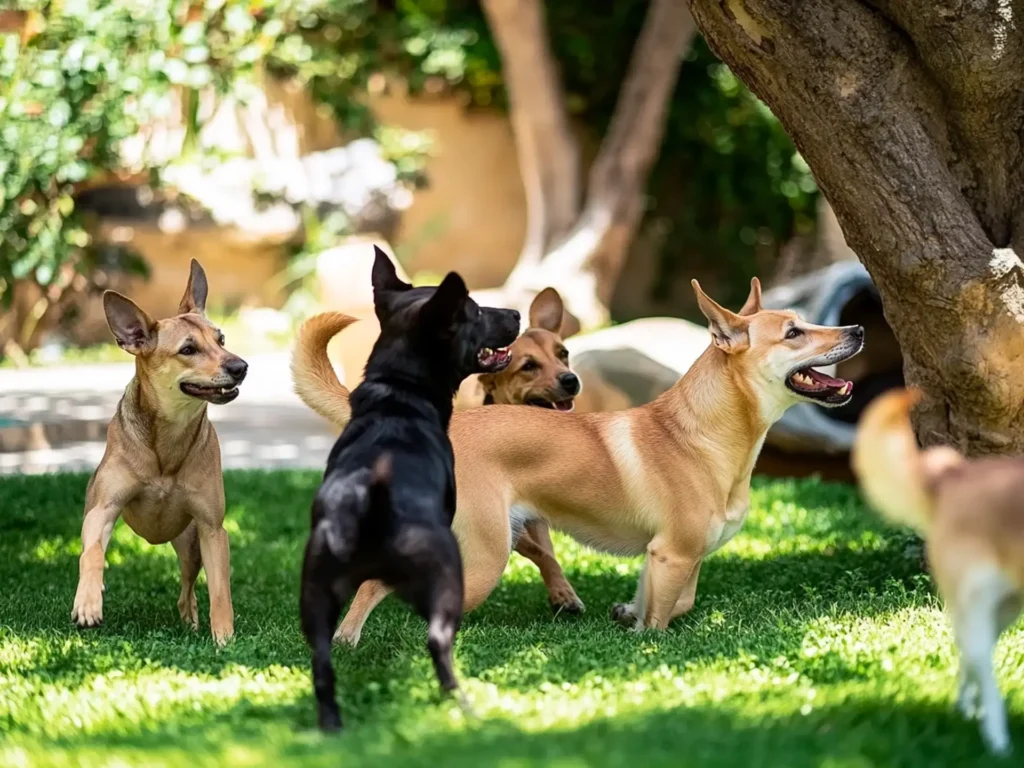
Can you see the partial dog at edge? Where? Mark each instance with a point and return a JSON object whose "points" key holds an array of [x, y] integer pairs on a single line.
{"points": [[385, 506], [670, 479], [538, 375], [971, 515], [161, 469]]}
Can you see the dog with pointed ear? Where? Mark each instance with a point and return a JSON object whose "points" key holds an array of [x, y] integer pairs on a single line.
{"points": [[161, 470], [729, 330]]}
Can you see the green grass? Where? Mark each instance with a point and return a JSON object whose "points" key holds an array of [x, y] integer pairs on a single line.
{"points": [[815, 641]]}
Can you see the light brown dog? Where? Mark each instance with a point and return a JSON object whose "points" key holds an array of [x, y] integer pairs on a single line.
{"points": [[161, 469], [670, 479], [538, 375], [971, 515]]}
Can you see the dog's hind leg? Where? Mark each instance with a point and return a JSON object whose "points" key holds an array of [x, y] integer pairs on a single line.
{"points": [[368, 597], [444, 615], [319, 610], [190, 561], [977, 625]]}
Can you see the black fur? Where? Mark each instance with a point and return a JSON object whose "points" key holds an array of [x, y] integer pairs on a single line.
{"points": [[386, 503]]}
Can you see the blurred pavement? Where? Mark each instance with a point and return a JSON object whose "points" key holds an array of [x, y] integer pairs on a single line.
{"points": [[68, 409]]}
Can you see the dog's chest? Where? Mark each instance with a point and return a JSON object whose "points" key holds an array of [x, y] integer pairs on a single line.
{"points": [[726, 525], [160, 512]]}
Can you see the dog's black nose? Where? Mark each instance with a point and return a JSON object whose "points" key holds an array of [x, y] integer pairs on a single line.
{"points": [[236, 368], [515, 315], [570, 383], [858, 332]]}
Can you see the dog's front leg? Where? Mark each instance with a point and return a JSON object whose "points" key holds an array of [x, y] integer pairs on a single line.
{"points": [[213, 543], [97, 529], [667, 573]]}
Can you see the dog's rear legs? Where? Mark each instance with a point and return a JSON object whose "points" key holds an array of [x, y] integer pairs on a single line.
{"points": [[190, 561], [535, 545]]}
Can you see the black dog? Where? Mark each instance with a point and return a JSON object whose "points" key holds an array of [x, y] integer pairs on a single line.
{"points": [[385, 506]]}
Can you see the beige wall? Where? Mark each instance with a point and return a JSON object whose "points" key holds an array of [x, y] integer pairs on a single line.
{"points": [[472, 217]]}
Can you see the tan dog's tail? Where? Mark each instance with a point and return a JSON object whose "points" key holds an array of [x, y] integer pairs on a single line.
{"points": [[897, 477], [313, 376]]}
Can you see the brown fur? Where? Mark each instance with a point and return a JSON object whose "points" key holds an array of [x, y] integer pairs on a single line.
{"points": [[670, 479], [161, 470], [540, 345], [971, 514]]}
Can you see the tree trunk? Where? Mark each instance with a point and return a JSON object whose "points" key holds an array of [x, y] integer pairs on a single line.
{"points": [[584, 259], [549, 155], [910, 116]]}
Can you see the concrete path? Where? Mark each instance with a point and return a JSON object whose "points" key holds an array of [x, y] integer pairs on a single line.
{"points": [[54, 419]]}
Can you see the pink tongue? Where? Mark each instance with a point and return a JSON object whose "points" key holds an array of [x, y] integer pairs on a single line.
{"points": [[823, 380]]}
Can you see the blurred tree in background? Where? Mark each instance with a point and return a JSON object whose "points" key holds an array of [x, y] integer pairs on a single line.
{"points": [[79, 76]]}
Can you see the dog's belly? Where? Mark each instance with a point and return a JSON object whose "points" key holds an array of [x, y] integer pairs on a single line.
{"points": [[160, 512], [616, 536]]}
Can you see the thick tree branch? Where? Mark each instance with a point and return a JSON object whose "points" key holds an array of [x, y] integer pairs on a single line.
{"points": [[586, 265]]}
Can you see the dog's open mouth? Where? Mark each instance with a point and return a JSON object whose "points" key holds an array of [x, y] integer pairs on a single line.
{"points": [[816, 386], [215, 395], [556, 405], [493, 360]]}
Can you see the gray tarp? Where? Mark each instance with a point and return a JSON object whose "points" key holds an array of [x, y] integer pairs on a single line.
{"points": [[645, 357]]}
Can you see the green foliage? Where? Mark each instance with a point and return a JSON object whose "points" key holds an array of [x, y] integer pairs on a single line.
{"points": [[815, 641]]}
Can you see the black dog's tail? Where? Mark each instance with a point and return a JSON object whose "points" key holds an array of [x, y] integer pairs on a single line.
{"points": [[377, 517]]}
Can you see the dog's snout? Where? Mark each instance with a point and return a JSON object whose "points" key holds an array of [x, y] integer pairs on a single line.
{"points": [[570, 383], [516, 317], [857, 332], [236, 368]]}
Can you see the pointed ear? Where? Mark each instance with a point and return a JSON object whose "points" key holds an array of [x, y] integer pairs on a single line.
{"points": [[546, 310], [384, 276], [753, 302], [448, 300], [728, 330], [134, 330], [194, 299]]}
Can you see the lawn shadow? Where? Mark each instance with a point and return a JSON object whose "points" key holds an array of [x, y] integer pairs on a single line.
{"points": [[737, 732]]}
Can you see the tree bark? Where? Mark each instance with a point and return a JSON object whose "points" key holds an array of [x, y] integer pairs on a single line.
{"points": [[910, 115], [585, 258]]}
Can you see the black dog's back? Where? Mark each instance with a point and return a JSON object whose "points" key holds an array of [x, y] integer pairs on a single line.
{"points": [[385, 506]]}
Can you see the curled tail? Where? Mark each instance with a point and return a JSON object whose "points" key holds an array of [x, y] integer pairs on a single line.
{"points": [[313, 376], [897, 477]]}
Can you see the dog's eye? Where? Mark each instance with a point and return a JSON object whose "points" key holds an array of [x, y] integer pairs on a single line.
{"points": [[220, 339], [529, 365], [793, 333], [188, 350], [563, 354]]}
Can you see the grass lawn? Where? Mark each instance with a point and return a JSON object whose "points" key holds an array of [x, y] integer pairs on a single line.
{"points": [[815, 641]]}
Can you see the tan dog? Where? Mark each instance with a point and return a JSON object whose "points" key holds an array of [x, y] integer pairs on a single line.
{"points": [[971, 514], [538, 375], [161, 470], [670, 479]]}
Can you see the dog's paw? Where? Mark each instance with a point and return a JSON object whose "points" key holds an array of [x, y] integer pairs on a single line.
{"points": [[222, 635], [345, 636], [189, 611], [622, 613], [566, 601], [88, 608]]}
